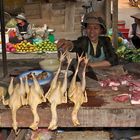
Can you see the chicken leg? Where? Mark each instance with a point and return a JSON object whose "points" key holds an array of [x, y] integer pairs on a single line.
{"points": [[54, 95], [14, 101], [55, 79], [84, 78], [76, 92], [34, 125], [22, 92], [65, 82], [11, 86], [10, 91], [73, 81], [57, 93], [27, 90], [35, 97]]}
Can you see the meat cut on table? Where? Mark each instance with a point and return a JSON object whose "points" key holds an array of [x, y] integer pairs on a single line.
{"points": [[122, 98]]}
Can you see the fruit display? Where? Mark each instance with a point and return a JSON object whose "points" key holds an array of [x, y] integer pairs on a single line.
{"points": [[10, 47], [45, 46], [24, 47], [27, 47]]}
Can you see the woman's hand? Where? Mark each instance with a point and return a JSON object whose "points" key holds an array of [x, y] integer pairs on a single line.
{"points": [[103, 63], [65, 44]]}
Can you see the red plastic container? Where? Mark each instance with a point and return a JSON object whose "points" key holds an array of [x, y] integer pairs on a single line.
{"points": [[125, 32], [121, 24]]}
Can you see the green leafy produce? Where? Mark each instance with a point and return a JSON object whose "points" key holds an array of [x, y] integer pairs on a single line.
{"points": [[11, 23], [129, 54], [120, 51]]}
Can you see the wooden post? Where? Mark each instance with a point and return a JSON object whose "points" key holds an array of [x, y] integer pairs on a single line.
{"points": [[69, 17], [115, 23], [4, 56], [108, 13]]}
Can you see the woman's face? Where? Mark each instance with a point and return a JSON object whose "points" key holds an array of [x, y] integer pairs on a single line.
{"points": [[19, 21], [93, 31]]}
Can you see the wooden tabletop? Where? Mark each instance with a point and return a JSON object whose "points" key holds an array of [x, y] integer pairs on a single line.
{"points": [[11, 56], [100, 111]]}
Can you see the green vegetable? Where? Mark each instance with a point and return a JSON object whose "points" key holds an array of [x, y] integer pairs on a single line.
{"points": [[129, 54]]}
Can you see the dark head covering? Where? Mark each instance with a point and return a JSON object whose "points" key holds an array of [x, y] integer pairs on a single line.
{"points": [[95, 18], [21, 16]]}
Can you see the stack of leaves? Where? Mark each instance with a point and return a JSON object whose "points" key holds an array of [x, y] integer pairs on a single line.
{"points": [[129, 54]]}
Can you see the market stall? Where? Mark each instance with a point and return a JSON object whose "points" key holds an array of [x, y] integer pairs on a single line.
{"points": [[69, 26], [112, 101], [106, 106]]}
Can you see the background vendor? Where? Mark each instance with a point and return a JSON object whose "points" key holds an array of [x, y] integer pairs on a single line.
{"points": [[23, 30], [95, 44], [134, 32]]}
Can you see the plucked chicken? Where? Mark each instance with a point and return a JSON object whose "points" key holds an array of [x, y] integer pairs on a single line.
{"points": [[57, 94], [16, 99], [76, 92], [35, 96]]}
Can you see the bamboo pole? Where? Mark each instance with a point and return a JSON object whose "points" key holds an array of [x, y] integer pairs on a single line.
{"points": [[108, 13], [115, 23]]}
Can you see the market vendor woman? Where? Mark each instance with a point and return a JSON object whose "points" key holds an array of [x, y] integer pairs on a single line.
{"points": [[23, 30], [95, 44]]}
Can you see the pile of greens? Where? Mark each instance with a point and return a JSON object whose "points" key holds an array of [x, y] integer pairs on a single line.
{"points": [[129, 54]]}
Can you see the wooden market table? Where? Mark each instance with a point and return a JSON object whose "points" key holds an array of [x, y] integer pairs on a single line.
{"points": [[29, 55], [100, 111]]}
